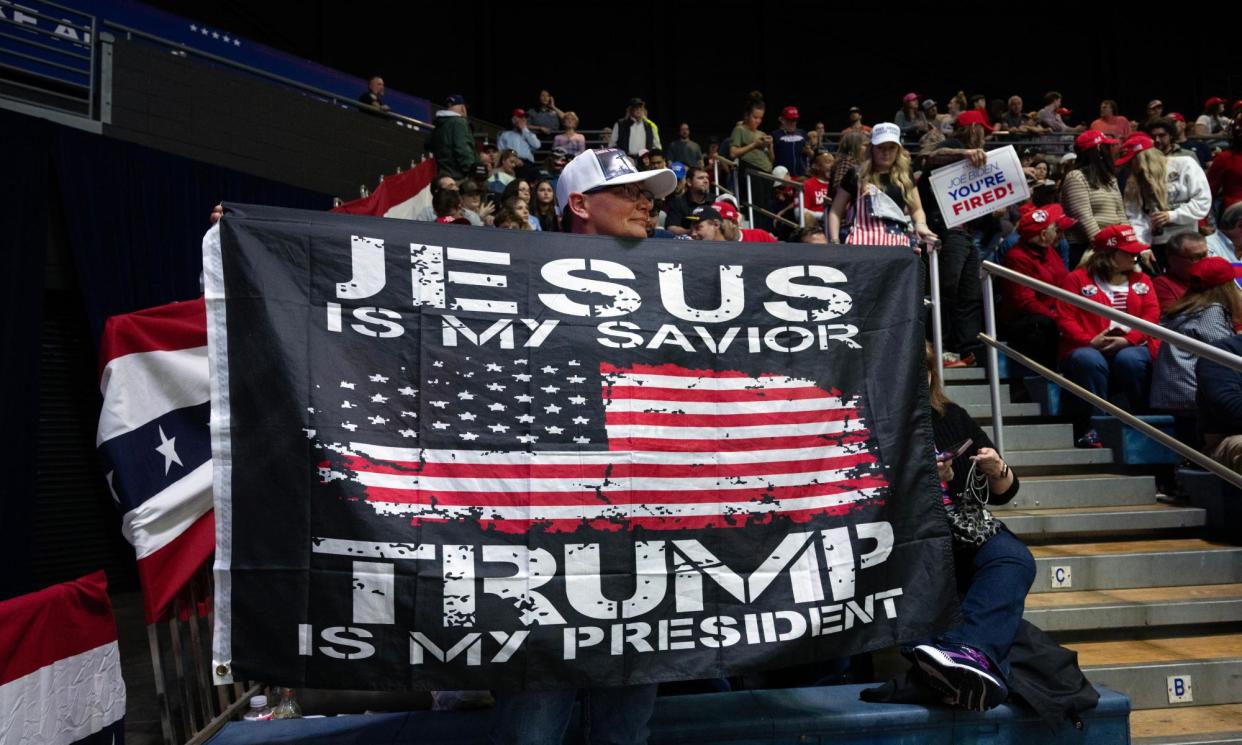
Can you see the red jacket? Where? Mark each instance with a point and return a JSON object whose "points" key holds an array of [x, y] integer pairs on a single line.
{"points": [[1078, 327], [1225, 176], [756, 235], [1037, 262]]}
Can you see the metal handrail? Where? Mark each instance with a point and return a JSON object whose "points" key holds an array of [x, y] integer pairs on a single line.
{"points": [[1181, 449], [1194, 346], [801, 187], [411, 121]]}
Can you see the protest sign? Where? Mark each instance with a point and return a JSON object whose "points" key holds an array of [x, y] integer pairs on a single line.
{"points": [[455, 457], [964, 192]]}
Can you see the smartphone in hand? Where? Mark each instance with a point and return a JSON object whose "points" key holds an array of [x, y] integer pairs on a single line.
{"points": [[954, 452]]}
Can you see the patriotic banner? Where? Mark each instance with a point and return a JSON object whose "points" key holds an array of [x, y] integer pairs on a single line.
{"points": [[154, 441], [60, 670], [401, 196], [455, 457]]}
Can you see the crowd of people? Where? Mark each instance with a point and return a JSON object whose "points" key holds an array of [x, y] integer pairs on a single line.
{"points": [[1142, 216], [1159, 188]]}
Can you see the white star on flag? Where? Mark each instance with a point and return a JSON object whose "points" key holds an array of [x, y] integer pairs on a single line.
{"points": [[377, 420], [573, 363], [410, 413], [527, 438], [576, 379], [549, 389], [439, 404], [469, 436], [407, 391], [577, 400], [408, 433], [549, 370], [377, 378], [522, 377], [466, 416], [438, 363], [581, 420], [582, 440], [346, 405], [440, 425], [495, 387], [498, 428], [465, 396], [519, 362], [168, 449], [493, 367], [349, 426], [526, 419], [350, 386], [496, 407], [554, 430], [523, 398], [379, 399], [552, 409]]}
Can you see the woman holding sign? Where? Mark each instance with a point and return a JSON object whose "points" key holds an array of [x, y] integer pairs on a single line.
{"points": [[888, 211], [1101, 355]]}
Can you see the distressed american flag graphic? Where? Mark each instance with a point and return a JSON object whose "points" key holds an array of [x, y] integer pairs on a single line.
{"points": [[513, 444]]}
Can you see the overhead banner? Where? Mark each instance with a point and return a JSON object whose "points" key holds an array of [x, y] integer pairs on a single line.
{"points": [[964, 192], [456, 457]]}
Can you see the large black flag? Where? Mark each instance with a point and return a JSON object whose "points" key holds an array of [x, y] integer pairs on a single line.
{"points": [[463, 457]]}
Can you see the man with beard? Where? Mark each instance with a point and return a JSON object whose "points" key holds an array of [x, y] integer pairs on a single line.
{"points": [[679, 208]]}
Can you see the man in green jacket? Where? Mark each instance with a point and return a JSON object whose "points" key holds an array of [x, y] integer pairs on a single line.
{"points": [[452, 142]]}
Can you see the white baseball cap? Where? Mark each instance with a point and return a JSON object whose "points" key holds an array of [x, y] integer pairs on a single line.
{"points": [[594, 169], [885, 132]]}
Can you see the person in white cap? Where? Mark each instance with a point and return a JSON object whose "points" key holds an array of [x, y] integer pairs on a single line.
{"points": [[888, 211], [602, 192]]}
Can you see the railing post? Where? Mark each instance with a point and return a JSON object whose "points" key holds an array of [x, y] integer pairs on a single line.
{"points": [[989, 327], [933, 272], [716, 174], [750, 200], [800, 195]]}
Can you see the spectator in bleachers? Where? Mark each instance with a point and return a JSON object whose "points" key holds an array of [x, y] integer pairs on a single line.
{"points": [[505, 171], [1225, 172], [634, 132], [553, 165], [570, 140], [732, 230], [480, 175], [1213, 120], [790, 145], [753, 149], [373, 96], [947, 121], [519, 139], [472, 201], [440, 184], [1029, 318], [1219, 398], [1183, 251], [545, 118], [1163, 131], [518, 191], [447, 203], [1226, 242], [545, 206], [452, 142], [961, 299], [888, 210], [815, 189], [811, 234], [1014, 119], [655, 160], [706, 224], [851, 152], [1110, 122], [685, 149], [1098, 354], [856, 122], [1155, 110], [1089, 193], [1049, 116], [910, 118], [968, 664], [1210, 310], [510, 220], [1162, 194], [697, 194]]}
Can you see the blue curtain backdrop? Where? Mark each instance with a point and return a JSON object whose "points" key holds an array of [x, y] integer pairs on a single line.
{"points": [[134, 218]]}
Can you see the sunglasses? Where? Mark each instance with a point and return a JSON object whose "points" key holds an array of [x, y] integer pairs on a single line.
{"points": [[631, 192]]}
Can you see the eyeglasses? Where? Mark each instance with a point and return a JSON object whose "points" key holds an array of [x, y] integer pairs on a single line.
{"points": [[631, 192]]}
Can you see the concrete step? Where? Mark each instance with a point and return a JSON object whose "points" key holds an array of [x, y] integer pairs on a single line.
{"points": [[953, 375], [1165, 562], [984, 411], [974, 393], [1207, 666], [1103, 490], [1036, 436], [1082, 520], [1136, 608], [1069, 456], [1197, 725]]}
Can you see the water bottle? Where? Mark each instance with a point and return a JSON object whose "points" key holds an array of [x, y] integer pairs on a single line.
{"points": [[259, 710], [288, 707]]}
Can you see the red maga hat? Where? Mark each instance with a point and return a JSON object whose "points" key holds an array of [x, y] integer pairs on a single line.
{"points": [[1134, 144], [974, 116], [1118, 238], [1210, 272], [1093, 138], [1035, 219]]}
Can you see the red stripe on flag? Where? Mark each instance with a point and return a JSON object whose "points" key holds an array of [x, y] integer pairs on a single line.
{"points": [[734, 445], [668, 369], [163, 328], [728, 420], [651, 393], [54, 623], [167, 571]]}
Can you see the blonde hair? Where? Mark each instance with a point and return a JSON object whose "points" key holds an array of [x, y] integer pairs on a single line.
{"points": [[936, 396], [1227, 295], [569, 114], [898, 175], [1151, 168]]}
